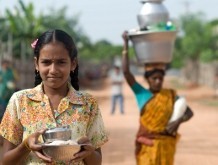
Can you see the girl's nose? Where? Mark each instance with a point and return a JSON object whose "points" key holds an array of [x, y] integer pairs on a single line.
{"points": [[53, 68]]}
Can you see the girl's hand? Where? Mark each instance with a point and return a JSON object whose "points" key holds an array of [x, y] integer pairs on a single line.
{"points": [[35, 147], [86, 150]]}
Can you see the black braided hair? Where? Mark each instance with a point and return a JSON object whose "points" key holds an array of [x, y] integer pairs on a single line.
{"points": [[74, 78], [63, 37], [38, 78]]}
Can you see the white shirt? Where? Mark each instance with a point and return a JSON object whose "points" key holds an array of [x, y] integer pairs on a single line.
{"points": [[116, 80]]}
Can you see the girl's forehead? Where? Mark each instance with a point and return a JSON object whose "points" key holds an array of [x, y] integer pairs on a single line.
{"points": [[53, 51]]}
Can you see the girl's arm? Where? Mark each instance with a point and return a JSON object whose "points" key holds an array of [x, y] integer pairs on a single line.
{"points": [[13, 153]]}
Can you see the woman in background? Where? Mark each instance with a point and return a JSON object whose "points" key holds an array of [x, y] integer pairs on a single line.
{"points": [[156, 138]]}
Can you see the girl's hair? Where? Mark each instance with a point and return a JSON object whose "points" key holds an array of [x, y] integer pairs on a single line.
{"points": [[63, 37]]}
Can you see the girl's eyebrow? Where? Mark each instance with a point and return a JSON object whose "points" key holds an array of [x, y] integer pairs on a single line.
{"points": [[60, 59]]}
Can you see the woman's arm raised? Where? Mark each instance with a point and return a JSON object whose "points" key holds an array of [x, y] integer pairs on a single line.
{"points": [[125, 61]]}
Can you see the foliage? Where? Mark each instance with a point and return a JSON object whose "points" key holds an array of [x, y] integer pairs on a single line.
{"points": [[103, 51], [21, 27], [177, 57], [24, 27], [197, 42]]}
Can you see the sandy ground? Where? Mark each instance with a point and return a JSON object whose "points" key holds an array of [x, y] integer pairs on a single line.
{"points": [[198, 144]]}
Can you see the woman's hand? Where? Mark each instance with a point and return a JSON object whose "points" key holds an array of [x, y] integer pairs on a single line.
{"points": [[35, 147], [173, 127], [125, 38], [145, 140], [87, 149]]}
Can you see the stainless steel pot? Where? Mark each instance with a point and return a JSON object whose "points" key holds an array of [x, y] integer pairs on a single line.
{"points": [[153, 46], [152, 13], [58, 133]]}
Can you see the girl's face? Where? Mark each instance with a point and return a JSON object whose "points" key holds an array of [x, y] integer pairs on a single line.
{"points": [[54, 65], [155, 82]]}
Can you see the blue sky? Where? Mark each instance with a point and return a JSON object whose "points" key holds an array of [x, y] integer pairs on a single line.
{"points": [[107, 19]]}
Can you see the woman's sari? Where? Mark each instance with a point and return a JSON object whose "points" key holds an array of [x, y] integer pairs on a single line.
{"points": [[153, 121]]}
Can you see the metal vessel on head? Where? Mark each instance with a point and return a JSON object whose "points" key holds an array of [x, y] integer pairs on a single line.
{"points": [[153, 41]]}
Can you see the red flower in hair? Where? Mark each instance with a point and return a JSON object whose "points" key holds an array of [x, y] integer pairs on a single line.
{"points": [[33, 44]]}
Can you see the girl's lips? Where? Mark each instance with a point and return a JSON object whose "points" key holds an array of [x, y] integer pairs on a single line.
{"points": [[54, 78]]}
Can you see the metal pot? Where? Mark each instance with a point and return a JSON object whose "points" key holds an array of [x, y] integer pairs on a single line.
{"points": [[152, 12], [58, 133], [153, 46]]}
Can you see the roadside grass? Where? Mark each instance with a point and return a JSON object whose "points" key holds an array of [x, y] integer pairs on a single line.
{"points": [[177, 84], [213, 102]]}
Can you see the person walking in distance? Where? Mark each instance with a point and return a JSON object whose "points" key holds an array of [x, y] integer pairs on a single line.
{"points": [[116, 89]]}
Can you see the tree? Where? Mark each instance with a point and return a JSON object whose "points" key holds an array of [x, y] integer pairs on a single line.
{"points": [[211, 52], [195, 44], [24, 26]]}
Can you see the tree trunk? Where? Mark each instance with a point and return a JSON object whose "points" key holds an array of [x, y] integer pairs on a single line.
{"points": [[191, 71]]}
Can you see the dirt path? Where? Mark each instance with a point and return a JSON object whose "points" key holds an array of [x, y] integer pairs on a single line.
{"points": [[197, 146]]}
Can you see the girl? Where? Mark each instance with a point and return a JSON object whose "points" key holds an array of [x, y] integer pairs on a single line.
{"points": [[54, 102]]}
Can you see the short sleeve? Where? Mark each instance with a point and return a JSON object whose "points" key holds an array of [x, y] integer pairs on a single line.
{"points": [[11, 128], [142, 95], [96, 130]]}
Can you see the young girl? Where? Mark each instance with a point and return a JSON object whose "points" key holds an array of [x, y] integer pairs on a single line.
{"points": [[54, 102]]}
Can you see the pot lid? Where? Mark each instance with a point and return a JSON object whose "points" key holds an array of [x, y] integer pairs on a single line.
{"points": [[58, 129]]}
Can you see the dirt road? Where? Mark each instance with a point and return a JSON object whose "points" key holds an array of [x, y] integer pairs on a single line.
{"points": [[198, 144]]}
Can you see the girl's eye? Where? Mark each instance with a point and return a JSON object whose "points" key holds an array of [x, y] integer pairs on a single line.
{"points": [[61, 62], [46, 62]]}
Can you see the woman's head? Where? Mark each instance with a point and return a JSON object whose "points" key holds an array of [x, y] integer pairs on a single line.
{"points": [[154, 74], [55, 56], [155, 79]]}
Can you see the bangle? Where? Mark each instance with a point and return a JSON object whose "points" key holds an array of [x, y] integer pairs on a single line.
{"points": [[26, 144], [124, 52]]}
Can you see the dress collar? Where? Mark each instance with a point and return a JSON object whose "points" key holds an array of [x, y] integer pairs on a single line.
{"points": [[75, 97]]}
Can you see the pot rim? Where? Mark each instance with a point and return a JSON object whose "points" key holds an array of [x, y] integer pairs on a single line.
{"points": [[145, 1], [136, 33]]}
